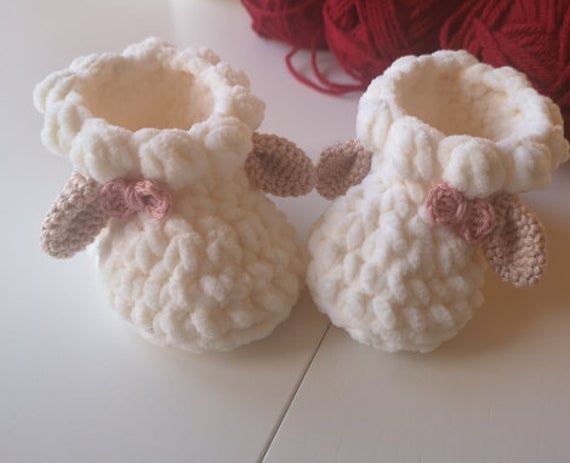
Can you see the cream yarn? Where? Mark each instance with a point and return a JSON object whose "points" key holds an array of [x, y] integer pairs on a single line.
{"points": [[379, 267], [223, 268]]}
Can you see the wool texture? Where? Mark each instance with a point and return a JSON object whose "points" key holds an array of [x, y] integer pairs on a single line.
{"points": [[291, 21], [222, 268], [379, 266]]}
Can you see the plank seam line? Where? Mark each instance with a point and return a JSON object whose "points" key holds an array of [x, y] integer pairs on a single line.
{"points": [[292, 396]]}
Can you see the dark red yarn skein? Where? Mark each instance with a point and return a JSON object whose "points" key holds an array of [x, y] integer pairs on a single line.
{"points": [[364, 35], [367, 36], [530, 35], [295, 22]]}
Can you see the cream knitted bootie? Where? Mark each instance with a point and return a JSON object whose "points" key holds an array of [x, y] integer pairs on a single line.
{"points": [[167, 175], [444, 143]]}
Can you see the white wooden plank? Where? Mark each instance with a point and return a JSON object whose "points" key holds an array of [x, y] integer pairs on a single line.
{"points": [[499, 392]]}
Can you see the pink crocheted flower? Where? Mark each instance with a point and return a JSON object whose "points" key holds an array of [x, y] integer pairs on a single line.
{"points": [[446, 205], [473, 219], [145, 195], [119, 198], [112, 199], [480, 221]]}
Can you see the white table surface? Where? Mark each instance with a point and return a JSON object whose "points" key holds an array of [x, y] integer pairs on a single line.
{"points": [[77, 386]]}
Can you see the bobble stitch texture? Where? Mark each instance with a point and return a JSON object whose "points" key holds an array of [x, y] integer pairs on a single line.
{"points": [[379, 268], [222, 268]]}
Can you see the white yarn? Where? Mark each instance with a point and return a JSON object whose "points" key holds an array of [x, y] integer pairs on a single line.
{"points": [[223, 269], [378, 267]]}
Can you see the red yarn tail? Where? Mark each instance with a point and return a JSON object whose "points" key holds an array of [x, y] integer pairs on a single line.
{"points": [[325, 85]]}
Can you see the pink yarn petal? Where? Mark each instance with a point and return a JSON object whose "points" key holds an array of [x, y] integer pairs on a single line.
{"points": [[480, 222], [119, 198], [473, 220], [154, 201], [112, 199], [447, 205]]}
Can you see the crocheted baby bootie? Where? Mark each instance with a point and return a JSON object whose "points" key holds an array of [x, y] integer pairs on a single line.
{"points": [[168, 173], [444, 145]]}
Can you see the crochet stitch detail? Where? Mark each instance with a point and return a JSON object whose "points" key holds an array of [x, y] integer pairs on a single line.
{"points": [[473, 219], [278, 166], [120, 198], [152, 111], [342, 166], [75, 219], [517, 249]]}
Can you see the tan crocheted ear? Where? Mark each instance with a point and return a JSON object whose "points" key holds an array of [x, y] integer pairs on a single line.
{"points": [[516, 250], [342, 166], [277, 166], [75, 219]]}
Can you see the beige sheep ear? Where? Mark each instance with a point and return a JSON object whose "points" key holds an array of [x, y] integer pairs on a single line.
{"points": [[277, 166], [75, 219], [342, 166], [516, 249]]}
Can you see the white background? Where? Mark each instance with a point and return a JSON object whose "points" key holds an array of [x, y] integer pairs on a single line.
{"points": [[77, 386]]}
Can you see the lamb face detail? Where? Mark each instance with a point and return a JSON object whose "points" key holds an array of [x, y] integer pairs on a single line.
{"points": [[382, 266]]}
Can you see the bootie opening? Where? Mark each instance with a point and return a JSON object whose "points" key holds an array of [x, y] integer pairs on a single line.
{"points": [[140, 97], [459, 101]]}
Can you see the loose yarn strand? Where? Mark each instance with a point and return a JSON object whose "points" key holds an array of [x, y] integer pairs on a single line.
{"points": [[327, 86]]}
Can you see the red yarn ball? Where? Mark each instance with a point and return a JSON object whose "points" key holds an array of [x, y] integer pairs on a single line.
{"points": [[529, 35], [296, 22], [367, 36]]}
